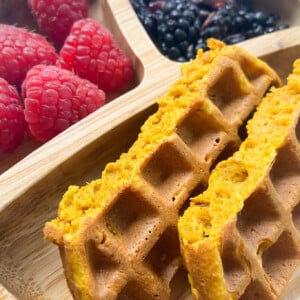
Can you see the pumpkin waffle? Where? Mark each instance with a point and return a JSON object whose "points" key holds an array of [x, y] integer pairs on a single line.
{"points": [[240, 238], [118, 235]]}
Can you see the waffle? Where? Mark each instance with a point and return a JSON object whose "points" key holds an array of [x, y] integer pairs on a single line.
{"points": [[240, 238], [118, 234]]}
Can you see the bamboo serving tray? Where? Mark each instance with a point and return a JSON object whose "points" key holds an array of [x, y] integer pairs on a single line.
{"points": [[33, 180]]}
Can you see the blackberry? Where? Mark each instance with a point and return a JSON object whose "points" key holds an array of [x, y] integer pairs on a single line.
{"points": [[175, 26], [180, 27], [233, 24], [144, 15]]}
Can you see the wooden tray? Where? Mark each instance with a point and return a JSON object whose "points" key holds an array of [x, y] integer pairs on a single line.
{"points": [[31, 185]]}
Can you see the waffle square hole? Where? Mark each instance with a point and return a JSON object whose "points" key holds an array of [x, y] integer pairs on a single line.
{"points": [[164, 257], [296, 216], [260, 80], [227, 94], [258, 218], [285, 175], [201, 133], [131, 216], [280, 259], [133, 291], [102, 265], [168, 170], [256, 290], [179, 284], [235, 269]]}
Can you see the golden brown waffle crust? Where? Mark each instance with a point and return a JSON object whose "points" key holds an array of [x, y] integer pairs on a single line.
{"points": [[118, 234], [240, 238]]}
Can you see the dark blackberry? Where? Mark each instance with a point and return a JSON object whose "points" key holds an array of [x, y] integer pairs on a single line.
{"points": [[233, 25], [180, 27], [174, 26], [234, 38], [146, 18]]}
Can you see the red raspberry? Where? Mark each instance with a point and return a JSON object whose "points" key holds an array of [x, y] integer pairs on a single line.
{"points": [[12, 123], [20, 50], [55, 99], [56, 17], [92, 53]]}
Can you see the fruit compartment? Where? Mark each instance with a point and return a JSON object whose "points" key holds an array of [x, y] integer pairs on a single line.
{"points": [[180, 28], [128, 38], [31, 189]]}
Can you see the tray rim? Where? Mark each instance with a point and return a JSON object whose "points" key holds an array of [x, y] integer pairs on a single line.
{"points": [[11, 180]]}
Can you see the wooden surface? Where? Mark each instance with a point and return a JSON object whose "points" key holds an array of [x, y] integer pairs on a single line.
{"points": [[288, 10], [31, 188]]}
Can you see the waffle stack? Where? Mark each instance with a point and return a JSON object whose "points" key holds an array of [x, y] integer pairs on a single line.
{"points": [[118, 234], [240, 238]]}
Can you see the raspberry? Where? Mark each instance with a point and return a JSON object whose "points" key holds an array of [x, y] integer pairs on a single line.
{"points": [[92, 53], [55, 99], [56, 17], [12, 124], [20, 50]]}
